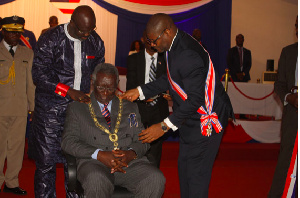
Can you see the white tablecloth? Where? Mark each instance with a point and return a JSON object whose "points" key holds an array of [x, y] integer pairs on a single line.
{"points": [[270, 106]]}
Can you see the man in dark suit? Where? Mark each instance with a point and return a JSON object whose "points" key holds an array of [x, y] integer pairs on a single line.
{"points": [[191, 80], [138, 73], [239, 61], [103, 136], [284, 87]]}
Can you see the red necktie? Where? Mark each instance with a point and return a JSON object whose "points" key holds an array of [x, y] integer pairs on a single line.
{"points": [[106, 114]]}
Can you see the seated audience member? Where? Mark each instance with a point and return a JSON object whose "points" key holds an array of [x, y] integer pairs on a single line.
{"points": [[103, 136], [198, 35], [53, 22], [16, 98], [135, 47], [239, 61]]}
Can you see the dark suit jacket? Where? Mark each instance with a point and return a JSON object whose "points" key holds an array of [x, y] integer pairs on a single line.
{"points": [[233, 63], [81, 137], [188, 65], [283, 85], [289, 123], [136, 65]]}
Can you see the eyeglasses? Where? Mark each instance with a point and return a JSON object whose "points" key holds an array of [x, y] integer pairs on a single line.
{"points": [[150, 41], [108, 89], [83, 32]]}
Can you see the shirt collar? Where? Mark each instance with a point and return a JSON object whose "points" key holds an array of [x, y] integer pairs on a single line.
{"points": [[67, 33], [148, 56], [239, 47], [102, 105], [7, 46], [173, 40]]}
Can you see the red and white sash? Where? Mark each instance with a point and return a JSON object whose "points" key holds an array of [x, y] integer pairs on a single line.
{"points": [[208, 118], [24, 40], [289, 188]]}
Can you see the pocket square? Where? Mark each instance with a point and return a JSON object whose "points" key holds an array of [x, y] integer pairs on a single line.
{"points": [[90, 57]]}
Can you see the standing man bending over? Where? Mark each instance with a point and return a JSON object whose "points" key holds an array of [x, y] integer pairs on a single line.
{"points": [[200, 103], [64, 60]]}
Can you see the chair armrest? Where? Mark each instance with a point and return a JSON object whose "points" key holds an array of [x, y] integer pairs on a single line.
{"points": [[72, 171]]}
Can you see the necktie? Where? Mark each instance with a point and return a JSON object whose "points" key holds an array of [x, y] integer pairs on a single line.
{"points": [[11, 51], [106, 114], [241, 58], [152, 77]]}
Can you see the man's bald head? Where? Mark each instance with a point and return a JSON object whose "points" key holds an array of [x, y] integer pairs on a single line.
{"points": [[83, 22], [84, 13], [160, 31], [158, 22]]}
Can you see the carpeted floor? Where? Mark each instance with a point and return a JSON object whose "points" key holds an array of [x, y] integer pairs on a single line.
{"points": [[241, 170]]}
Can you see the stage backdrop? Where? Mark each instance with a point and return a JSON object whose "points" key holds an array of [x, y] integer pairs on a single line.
{"points": [[119, 22], [212, 17]]}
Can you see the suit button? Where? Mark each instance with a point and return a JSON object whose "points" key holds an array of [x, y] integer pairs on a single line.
{"points": [[94, 138]]}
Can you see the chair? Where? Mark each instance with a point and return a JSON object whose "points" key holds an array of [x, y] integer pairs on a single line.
{"points": [[75, 186]]}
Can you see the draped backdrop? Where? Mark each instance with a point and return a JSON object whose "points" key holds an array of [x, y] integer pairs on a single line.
{"points": [[212, 17], [120, 22]]}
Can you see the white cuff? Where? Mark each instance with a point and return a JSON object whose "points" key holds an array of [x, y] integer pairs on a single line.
{"points": [[142, 97], [94, 155], [285, 102], [170, 125]]}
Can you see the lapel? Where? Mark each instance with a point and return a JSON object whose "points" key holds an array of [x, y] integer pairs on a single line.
{"points": [[96, 107], [19, 51], [141, 67], [114, 112], [4, 51], [173, 51], [293, 59], [160, 69]]}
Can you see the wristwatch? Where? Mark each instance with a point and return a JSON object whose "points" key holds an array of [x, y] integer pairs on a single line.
{"points": [[164, 127]]}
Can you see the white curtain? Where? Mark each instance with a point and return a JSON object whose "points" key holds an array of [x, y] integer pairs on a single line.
{"points": [[37, 13]]}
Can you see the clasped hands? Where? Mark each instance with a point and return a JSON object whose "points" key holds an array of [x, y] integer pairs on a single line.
{"points": [[116, 160]]}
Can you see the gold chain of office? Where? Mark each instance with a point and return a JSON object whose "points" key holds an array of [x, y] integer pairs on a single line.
{"points": [[112, 136]]}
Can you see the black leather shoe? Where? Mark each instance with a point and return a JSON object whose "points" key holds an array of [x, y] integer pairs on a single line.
{"points": [[16, 190]]}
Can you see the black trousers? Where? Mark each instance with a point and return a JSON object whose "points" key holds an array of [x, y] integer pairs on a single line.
{"points": [[289, 130], [195, 164], [150, 116]]}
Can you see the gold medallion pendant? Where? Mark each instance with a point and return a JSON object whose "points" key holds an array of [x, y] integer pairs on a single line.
{"points": [[113, 137]]}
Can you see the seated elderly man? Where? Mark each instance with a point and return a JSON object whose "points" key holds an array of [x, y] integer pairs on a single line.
{"points": [[103, 136]]}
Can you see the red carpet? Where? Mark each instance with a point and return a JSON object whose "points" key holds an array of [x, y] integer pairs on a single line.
{"points": [[241, 170]]}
